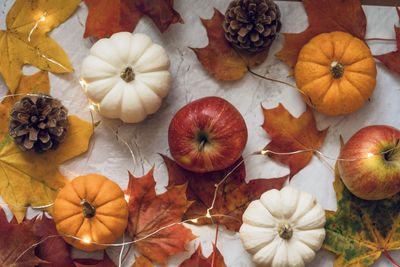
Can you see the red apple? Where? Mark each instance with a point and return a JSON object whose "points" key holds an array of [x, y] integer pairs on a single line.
{"points": [[206, 135], [371, 165]]}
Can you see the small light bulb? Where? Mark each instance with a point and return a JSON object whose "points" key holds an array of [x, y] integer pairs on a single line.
{"points": [[208, 215], [86, 240], [370, 155], [127, 197], [92, 107], [195, 220], [42, 18], [83, 83]]}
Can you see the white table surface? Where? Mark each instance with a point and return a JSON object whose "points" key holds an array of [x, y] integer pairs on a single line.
{"points": [[111, 157]]}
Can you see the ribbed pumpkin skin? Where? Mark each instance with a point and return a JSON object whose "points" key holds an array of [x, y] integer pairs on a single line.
{"points": [[110, 219], [313, 73]]}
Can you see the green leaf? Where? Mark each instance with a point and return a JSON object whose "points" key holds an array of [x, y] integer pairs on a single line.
{"points": [[360, 230]]}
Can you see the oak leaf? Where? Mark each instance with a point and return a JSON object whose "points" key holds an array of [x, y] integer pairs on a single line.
{"points": [[290, 134], [25, 40], [27, 178], [392, 59], [233, 195], [149, 213], [108, 17], [219, 58], [325, 16], [15, 239], [198, 260], [360, 231]]}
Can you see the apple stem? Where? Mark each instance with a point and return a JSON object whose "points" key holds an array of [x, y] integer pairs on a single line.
{"points": [[387, 255], [202, 144]]}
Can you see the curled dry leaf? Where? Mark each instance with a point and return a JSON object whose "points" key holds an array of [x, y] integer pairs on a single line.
{"points": [[219, 58], [290, 134], [198, 260], [108, 17], [14, 240], [392, 59], [151, 217], [233, 196], [27, 178], [25, 40], [325, 16], [360, 231]]}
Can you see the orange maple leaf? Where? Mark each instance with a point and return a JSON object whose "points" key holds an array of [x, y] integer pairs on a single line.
{"points": [[149, 213], [198, 260], [325, 16], [107, 17], [290, 134], [219, 58], [392, 59], [233, 196]]}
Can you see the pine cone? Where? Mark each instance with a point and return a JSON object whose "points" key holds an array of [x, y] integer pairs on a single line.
{"points": [[252, 25], [38, 123]]}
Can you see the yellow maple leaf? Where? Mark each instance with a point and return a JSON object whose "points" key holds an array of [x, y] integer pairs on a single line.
{"points": [[25, 40], [27, 178]]}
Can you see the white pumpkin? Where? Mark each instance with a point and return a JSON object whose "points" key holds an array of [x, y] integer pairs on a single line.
{"points": [[126, 76], [283, 228]]}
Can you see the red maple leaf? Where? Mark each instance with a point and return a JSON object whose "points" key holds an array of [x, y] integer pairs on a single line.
{"points": [[198, 260], [107, 17], [15, 243], [233, 195], [151, 217], [290, 134], [325, 16], [392, 59]]}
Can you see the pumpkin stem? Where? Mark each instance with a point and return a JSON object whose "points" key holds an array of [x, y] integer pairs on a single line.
{"points": [[128, 75], [285, 231], [337, 70], [88, 210]]}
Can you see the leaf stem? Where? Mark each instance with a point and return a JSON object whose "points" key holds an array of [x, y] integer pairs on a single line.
{"points": [[270, 79], [390, 258], [380, 39]]}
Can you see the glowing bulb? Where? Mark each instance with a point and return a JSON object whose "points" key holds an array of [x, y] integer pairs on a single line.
{"points": [[127, 197], [264, 152], [208, 215], [92, 107], [195, 220], [370, 155], [86, 240], [42, 18]]}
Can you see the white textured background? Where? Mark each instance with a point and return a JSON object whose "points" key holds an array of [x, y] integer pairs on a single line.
{"points": [[112, 158]]}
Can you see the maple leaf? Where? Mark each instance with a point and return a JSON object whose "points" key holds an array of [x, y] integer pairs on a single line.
{"points": [[198, 260], [105, 262], [27, 178], [232, 198], [142, 262], [219, 58], [54, 250], [148, 213], [108, 17], [14, 240], [325, 16], [290, 134], [392, 59], [360, 231], [25, 40]]}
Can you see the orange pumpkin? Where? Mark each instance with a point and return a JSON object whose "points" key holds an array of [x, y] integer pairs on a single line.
{"points": [[336, 73], [92, 208]]}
